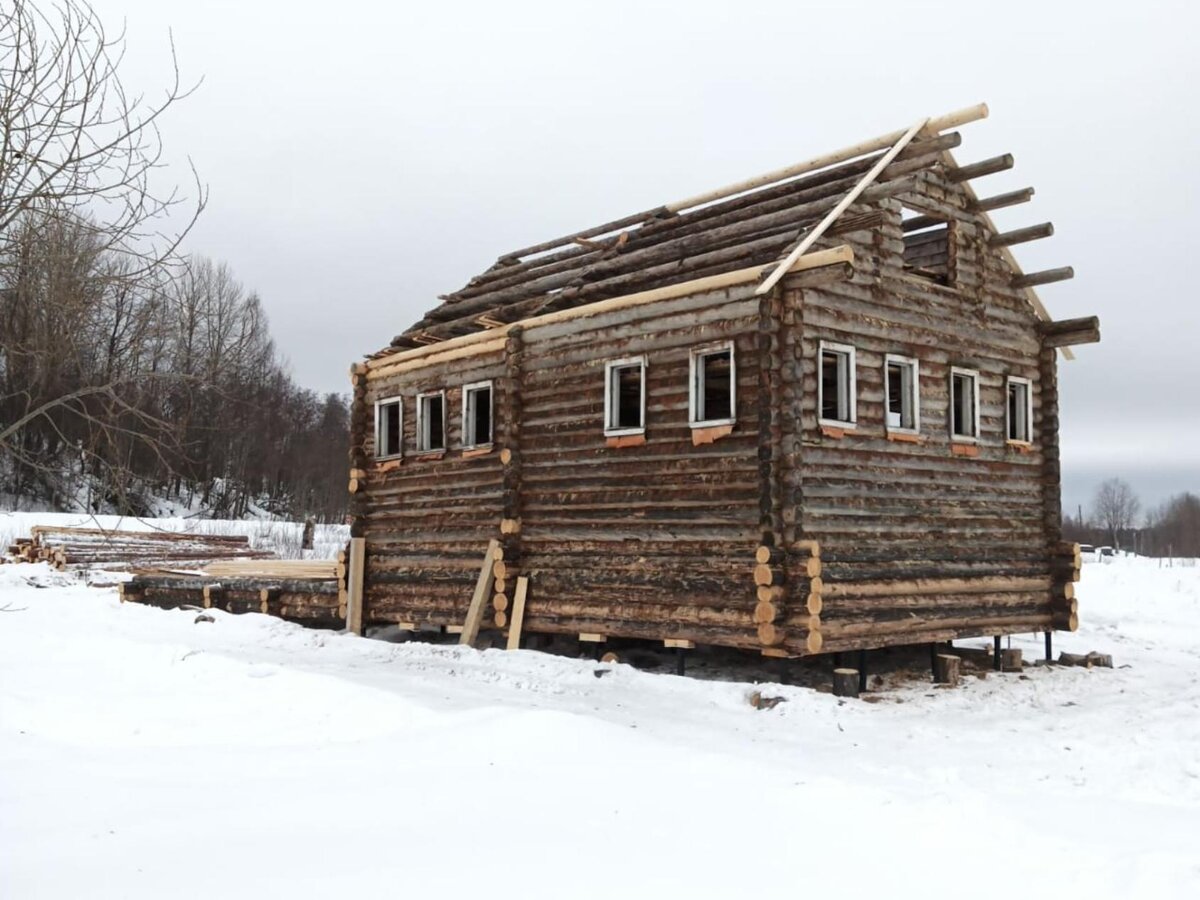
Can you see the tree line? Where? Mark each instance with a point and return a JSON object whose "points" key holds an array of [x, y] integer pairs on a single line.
{"points": [[129, 371], [1116, 519]]}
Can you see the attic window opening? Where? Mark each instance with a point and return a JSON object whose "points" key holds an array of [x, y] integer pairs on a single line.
{"points": [[964, 404], [712, 399], [625, 396], [431, 422], [477, 415], [927, 245], [1020, 410], [389, 427], [837, 385], [902, 383]]}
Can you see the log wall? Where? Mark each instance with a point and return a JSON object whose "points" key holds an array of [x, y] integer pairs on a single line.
{"points": [[972, 526], [781, 535]]}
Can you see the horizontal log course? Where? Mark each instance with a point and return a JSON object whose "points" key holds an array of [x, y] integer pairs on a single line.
{"points": [[1046, 276], [1000, 201], [984, 167], [1022, 235], [833, 591], [1068, 332]]}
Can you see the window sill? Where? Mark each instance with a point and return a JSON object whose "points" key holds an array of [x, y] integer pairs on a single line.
{"points": [[907, 437], [430, 455], [1019, 446], [963, 449], [636, 439], [705, 433], [837, 429], [388, 463], [472, 452]]}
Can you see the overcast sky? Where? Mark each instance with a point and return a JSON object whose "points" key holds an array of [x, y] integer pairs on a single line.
{"points": [[365, 157]]}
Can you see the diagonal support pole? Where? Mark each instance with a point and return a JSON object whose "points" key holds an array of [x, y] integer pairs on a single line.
{"points": [[832, 216]]}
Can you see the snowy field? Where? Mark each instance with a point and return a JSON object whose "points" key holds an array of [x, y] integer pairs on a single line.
{"points": [[270, 534], [144, 755]]}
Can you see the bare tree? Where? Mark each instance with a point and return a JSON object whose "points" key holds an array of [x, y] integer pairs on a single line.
{"points": [[1115, 507], [86, 237], [74, 143]]}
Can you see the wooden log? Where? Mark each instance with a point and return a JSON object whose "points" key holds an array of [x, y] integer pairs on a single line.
{"points": [[518, 617], [977, 170], [999, 201], [946, 669], [1086, 660], [1067, 332], [767, 576], [936, 586], [354, 589], [845, 683], [1022, 235], [769, 634], [483, 587], [1046, 276]]}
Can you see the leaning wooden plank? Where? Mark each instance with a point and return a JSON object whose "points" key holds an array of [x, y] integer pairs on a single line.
{"points": [[354, 605], [809, 239], [483, 589], [518, 613]]}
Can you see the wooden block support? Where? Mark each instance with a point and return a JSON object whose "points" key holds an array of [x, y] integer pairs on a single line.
{"points": [[946, 669], [679, 644], [845, 682], [518, 613], [591, 638], [483, 590], [354, 591], [1010, 660]]}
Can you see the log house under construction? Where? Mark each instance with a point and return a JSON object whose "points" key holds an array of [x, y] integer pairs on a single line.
{"points": [[814, 411]]}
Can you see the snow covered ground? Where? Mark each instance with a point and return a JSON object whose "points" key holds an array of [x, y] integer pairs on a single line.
{"points": [[143, 754]]}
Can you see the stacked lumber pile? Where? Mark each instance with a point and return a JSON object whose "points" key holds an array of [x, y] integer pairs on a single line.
{"points": [[99, 547], [308, 592]]}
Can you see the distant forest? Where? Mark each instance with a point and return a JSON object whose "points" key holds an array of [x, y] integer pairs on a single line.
{"points": [[131, 373], [159, 388]]}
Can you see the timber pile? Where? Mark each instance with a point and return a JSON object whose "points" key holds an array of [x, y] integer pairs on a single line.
{"points": [[63, 546], [308, 592]]}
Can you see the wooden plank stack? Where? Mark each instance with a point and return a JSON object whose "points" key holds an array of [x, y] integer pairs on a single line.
{"points": [[308, 592], [99, 547]]}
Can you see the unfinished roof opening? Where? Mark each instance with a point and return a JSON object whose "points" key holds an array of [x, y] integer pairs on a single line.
{"points": [[927, 246]]}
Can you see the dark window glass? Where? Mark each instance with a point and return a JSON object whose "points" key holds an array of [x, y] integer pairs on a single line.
{"points": [[716, 395]]}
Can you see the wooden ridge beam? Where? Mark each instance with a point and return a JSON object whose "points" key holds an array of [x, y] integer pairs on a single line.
{"points": [[1067, 332], [1046, 276], [1021, 235], [1000, 201], [932, 126], [984, 167]]}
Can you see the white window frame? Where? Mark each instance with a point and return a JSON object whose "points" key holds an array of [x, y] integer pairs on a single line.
{"points": [[914, 393], [379, 406], [852, 385], [1028, 383], [422, 443], [467, 390], [973, 374], [696, 387], [611, 430]]}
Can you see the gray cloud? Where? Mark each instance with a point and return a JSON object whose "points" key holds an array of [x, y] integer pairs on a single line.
{"points": [[366, 157]]}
